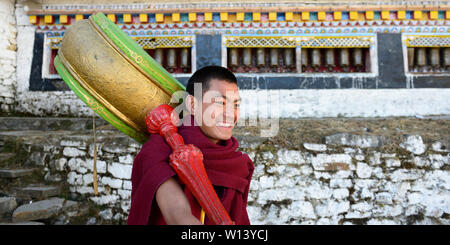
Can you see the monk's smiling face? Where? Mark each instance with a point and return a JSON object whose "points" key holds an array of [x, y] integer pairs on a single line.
{"points": [[219, 110]]}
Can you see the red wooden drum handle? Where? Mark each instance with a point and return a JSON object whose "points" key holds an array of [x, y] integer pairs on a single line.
{"points": [[187, 161]]}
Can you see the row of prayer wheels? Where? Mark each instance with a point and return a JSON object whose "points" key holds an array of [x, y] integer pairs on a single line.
{"points": [[428, 59], [261, 57], [173, 59], [332, 59]]}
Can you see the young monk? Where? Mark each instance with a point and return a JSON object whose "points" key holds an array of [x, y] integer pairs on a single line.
{"points": [[157, 196]]}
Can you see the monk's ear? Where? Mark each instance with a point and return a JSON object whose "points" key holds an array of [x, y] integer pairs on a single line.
{"points": [[191, 104]]}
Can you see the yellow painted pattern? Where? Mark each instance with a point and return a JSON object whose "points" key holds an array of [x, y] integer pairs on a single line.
{"points": [[256, 16], [33, 19], [176, 17], [321, 15], [272, 16], [143, 18], [192, 16], [240, 16], [159, 18], [48, 19], [289, 16], [112, 17], [417, 15], [223, 16], [127, 18], [305, 15], [208, 16], [353, 15], [369, 15], [79, 17], [433, 15], [63, 19], [337, 15], [385, 15]]}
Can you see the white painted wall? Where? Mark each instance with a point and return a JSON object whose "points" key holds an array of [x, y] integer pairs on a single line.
{"points": [[298, 103], [8, 49]]}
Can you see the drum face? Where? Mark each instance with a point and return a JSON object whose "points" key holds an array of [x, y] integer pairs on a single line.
{"points": [[129, 86]]}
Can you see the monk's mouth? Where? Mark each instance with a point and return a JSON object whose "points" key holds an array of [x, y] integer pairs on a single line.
{"points": [[226, 125]]}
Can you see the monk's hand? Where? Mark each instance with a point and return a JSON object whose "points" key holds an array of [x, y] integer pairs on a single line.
{"points": [[187, 161], [161, 120], [186, 156]]}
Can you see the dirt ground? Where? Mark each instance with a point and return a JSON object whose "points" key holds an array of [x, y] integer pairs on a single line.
{"points": [[294, 132]]}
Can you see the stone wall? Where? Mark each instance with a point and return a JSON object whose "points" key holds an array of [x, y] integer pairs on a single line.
{"points": [[346, 179], [8, 47], [351, 182]]}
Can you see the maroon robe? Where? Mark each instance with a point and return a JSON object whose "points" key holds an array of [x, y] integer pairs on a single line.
{"points": [[228, 169]]}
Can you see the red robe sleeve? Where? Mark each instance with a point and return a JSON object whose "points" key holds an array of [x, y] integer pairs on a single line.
{"points": [[150, 169]]}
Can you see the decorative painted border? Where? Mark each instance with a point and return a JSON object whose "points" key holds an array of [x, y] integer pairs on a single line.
{"points": [[427, 41], [164, 42], [256, 42], [291, 42], [141, 16]]}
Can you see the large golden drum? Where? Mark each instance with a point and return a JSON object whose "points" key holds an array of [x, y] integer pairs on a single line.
{"points": [[113, 75]]}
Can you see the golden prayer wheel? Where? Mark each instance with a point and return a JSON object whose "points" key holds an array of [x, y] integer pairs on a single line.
{"points": [[113, 75]]}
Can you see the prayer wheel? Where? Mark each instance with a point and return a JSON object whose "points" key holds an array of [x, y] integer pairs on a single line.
{"points": [[329, 58], [260, 57], [234, 58], [289, 57], [410, 58], [315, 57], [421, 57], [159, 55], [446, 58], [184, 59], [171, 58], [247, 57], [304, 58], [274, 57], [113, 75], [344, 59], [435, 60], [357, 57]]}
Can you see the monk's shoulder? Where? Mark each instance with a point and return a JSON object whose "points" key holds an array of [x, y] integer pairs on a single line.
{"points": [[155, 145]]}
